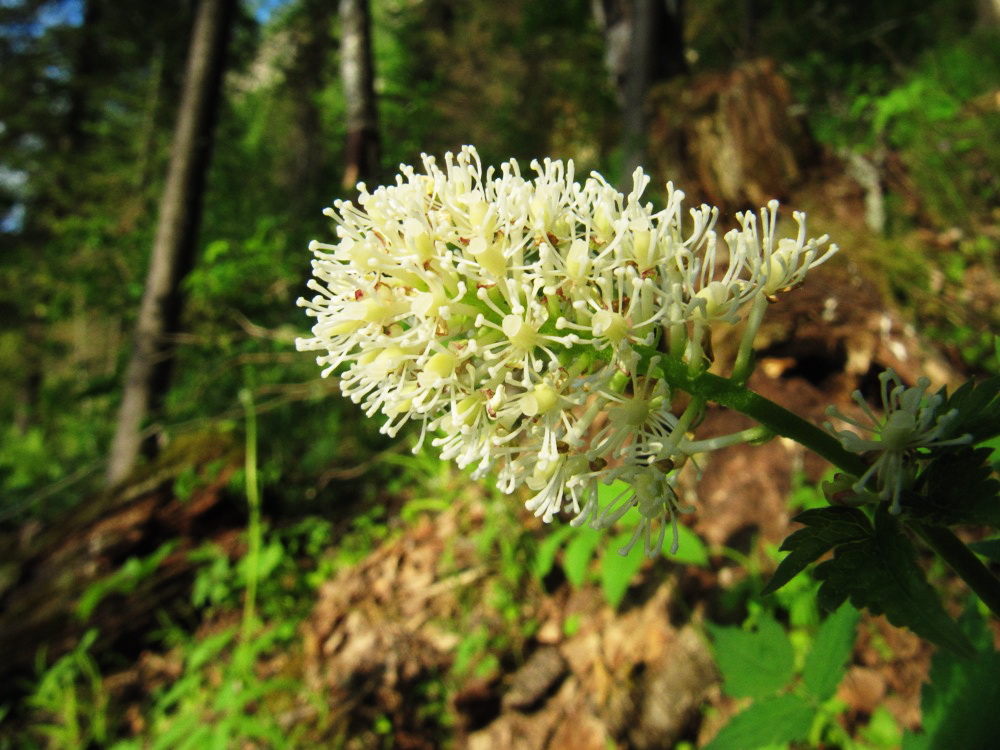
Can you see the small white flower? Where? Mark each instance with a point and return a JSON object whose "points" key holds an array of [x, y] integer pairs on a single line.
{"points": [[910, 422], [653, 495], [640, 421], [782, 264]]}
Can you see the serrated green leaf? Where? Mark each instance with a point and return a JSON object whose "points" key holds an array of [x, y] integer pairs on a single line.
{"points": [[988, 548], [959, 702], [579, 553], [617, 570], [978, 406], [958, 488], [753, 664], [827, 661], [772, 721], [825, 528], [881, 574], [691, 549]]}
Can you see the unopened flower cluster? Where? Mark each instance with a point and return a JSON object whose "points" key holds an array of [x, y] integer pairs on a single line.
{"points": [[911, 422], [520, 319]]}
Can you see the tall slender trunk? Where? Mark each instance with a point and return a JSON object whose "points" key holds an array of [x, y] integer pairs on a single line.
{"points": [[988, 14], [306, 172], [358, 74], [644, 46], [148, 370]]}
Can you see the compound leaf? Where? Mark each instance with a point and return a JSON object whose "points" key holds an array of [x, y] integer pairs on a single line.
{"points": [[958, 488], [824, 529], [771, 721], [753, 664], [881, 573], [960, 700], [978, 407], [827, 661]]}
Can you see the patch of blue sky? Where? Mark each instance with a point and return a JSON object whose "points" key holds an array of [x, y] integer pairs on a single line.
{"points": [[264, 10], [48, 15]]}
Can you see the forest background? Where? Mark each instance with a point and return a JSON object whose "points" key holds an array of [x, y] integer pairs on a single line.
{"points": [[187, 599]]}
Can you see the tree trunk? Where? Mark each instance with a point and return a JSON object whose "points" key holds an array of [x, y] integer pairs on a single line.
{"points": [[988, 14], [358, 74], [306, 173], [645, 46], [173, 247], [730, 138]]}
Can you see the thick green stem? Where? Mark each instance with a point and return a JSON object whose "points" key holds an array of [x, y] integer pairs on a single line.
{"points": [[783, 422], [776, 418], [962, 560]]}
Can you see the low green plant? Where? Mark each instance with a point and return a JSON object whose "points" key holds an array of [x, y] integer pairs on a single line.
{"points": [[221, 582], [957, 315], [793, 699], [476, 653], [69, 701], [368, 529], [123, 580], [220, 699]]}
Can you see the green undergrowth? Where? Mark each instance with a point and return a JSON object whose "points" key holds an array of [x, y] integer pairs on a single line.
{"points": [[223, 684]]}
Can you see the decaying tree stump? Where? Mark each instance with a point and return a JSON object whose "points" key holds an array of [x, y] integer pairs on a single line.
{"points": [[731, 139]]}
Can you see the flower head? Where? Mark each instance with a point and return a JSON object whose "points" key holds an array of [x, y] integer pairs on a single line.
{"points": [[519, 319], [910, 422]]}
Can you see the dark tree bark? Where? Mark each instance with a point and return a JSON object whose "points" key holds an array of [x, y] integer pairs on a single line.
{"points": [[306, 174], [358, 74], [645, 46], [173, 247]]}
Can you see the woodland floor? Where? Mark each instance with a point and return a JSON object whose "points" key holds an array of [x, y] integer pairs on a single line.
{"points": [[440, 635], [437, 633]]}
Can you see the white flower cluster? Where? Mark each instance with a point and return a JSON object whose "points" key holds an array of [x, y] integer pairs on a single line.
{"points": [[520, 320], [910, 422]]}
